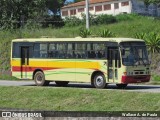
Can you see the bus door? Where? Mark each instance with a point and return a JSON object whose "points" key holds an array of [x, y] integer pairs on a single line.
{"points": [[113, 63], [24, 62]]}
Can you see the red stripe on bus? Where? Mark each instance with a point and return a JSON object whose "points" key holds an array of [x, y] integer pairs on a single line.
{"points": [[30, 69]]}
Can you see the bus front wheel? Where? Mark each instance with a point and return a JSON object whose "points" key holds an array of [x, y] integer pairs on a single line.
{"points": [[39, 79], [121, 86], [61, 83], [99, 81]]}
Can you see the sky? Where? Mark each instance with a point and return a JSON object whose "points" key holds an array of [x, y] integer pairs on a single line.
{"points": [[69, 0]]}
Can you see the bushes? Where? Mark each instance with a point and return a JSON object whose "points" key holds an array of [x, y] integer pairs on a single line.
{"points": [[99, 19], [152, 40], [126, 17], [105, 19], [84, 33], [72, 21], [106, 33], [94, 20], [53, 21]]}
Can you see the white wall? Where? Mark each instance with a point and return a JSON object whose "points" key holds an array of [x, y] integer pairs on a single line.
{"points": [[122, 9]]}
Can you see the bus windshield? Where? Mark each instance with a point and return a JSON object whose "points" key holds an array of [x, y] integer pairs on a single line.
{"points": [[134, 53]]}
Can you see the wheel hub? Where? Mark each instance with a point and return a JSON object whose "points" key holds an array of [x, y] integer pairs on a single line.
{"points": [[99, 80]]}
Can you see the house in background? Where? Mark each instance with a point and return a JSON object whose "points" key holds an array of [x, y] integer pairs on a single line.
{"points": [[110, 7]]}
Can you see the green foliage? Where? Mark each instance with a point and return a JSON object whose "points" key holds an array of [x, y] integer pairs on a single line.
{"points": [[7, 77], [77, 1], [99, 20], [104, 19], [94, 20], [126, 17], [14, 12], [106, 33], [156, 78], [84, 33], [55, 5], [72, 21], [4, 56], [53, 21], [77, 99], [140, 36], [152, 40]]}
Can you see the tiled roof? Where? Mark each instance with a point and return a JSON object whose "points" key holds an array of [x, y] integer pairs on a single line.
{"points": [[82, 3]]}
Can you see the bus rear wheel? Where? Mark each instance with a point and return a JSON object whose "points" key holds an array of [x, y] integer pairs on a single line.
{"points": [[61, 83], [121, 86], [99, 81], [39, 79]]}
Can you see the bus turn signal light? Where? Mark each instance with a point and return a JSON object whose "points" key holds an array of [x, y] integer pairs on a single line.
{"points": [[124, 73]]}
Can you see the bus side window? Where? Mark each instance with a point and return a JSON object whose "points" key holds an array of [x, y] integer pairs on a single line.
{"points": [[36, 49], [52, 50], [93, 54], [43, 50], [80, 50], [70, 51], [40, 50], [16, 50], [61, 48], [100, 54]]}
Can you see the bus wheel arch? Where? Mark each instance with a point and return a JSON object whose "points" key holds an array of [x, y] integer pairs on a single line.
{"points": [[39, 78], [98, 75]]}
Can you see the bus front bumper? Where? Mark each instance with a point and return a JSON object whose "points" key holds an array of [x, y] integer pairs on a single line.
{"points": [[135, 79]]}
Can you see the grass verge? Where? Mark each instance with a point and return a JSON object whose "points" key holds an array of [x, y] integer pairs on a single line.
{"points": [[155, 79], [76, 99], [8, 77]]}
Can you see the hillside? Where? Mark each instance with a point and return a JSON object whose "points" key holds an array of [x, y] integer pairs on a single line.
{"points": [[127, 26]]}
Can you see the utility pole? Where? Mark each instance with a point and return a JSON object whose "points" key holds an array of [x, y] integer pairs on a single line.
{"points": [[87, 14]]}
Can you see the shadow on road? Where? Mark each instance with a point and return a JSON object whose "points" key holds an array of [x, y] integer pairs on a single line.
{"points": [[109, 86]]}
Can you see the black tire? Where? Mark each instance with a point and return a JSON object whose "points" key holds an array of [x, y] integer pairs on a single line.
{"points": [[39, 79], [121, 86], [61, 83], [99, 81]]}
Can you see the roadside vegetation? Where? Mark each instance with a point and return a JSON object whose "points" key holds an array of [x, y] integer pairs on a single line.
{"points": [[61, 99]]}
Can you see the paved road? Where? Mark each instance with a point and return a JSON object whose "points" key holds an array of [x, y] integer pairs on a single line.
{"points": [[131, 87]]}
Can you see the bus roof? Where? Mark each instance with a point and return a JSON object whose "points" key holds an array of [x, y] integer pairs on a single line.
{"points": [[78, 39]]}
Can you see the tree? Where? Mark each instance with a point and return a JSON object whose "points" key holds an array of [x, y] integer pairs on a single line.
{"points": [[152, 41], [156, 3], [148, 2], [54, 5], [14, 11]]}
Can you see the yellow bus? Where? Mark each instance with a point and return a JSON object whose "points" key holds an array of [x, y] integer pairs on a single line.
{"points": [[98, 61]]}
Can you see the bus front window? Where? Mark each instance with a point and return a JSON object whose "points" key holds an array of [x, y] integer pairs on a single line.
{"points": [[134, 54]]}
